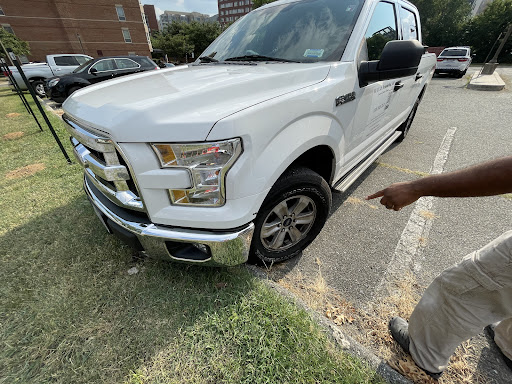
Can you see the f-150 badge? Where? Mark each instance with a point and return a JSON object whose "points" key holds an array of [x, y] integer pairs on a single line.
{"points": [[345, 98]]}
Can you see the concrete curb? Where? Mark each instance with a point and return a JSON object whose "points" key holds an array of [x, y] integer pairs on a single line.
{"points": [[345, 342], [486, 82]]}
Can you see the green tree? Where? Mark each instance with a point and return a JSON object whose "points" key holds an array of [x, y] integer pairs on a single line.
{"points": [[443, 21], [259, 3], [179, 39], [484, 29], [18, 46]]}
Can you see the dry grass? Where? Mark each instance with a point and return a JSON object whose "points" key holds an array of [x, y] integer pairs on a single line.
{"points": [[370, 327], [356, 201], [13, 135], [404, 170], [14, 114], [428, 215], [26, 171]]}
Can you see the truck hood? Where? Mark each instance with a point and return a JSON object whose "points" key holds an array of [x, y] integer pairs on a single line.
{"points": [[183, 103]]}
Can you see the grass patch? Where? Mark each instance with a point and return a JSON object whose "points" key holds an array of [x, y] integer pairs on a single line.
{"points": [[71, 312]]}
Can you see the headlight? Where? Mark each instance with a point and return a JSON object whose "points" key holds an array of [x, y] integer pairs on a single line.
{"points": [[53, 82], [207, 163]]}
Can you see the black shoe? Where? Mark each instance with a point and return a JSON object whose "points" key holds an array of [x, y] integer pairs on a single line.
{"points": [[490, 331], [399, 329]]}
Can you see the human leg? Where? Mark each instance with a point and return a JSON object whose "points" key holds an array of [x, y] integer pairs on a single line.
{"points": [[460, 302]]}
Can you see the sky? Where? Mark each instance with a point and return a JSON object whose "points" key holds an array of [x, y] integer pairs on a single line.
{"points": [[208, 7]]}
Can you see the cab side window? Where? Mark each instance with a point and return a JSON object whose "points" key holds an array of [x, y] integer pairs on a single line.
{"points": [[409, 24], [382, 28]]}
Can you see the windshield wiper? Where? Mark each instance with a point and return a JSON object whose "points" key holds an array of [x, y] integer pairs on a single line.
{"points": [[208, 59], [259, 58]]}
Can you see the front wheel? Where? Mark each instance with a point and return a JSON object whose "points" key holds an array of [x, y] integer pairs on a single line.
{"points": [[291, 216]]}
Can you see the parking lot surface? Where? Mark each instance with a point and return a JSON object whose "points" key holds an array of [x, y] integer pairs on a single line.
{"points": [[363, 246]]}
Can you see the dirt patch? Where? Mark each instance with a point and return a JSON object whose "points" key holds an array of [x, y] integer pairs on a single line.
{"points": [[13, 135], [14, 114], [356, 201], [26, 171], [370, 326]]}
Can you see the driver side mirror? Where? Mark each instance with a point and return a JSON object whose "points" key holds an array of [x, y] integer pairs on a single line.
{"points": [[399, 58], [93, 71]]}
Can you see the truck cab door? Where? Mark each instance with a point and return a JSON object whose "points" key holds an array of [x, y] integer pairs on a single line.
{"points": [[379, 101]]}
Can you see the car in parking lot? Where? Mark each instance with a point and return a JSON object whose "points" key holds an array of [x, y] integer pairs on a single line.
{"points": [[94, 71], [454, 60]]}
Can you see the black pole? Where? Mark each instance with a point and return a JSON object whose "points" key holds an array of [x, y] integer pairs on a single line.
{"points": [[18, 89], [31, 90], [8, 74]]}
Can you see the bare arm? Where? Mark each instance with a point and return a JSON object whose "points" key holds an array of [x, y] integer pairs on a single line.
{"points": [[487, 179]]}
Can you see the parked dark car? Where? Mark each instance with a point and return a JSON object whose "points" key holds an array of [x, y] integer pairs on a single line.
{"points": [[93, 71]]}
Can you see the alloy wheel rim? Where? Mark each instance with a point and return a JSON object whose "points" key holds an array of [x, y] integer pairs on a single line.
{"points": [[40, 89], [288, 223]]}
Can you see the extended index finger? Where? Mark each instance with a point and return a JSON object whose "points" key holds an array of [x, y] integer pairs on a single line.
{"points": [[377, 194]]}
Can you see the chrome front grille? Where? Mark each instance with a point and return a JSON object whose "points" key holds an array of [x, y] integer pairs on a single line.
{"points": [[104, 166]]}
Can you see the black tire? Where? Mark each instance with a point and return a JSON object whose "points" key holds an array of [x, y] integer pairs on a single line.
{"points": [[300, 194], [73, 89], [38, 86], [406, 125]]}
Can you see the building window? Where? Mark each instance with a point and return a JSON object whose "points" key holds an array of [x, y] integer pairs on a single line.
{"points": [[132, 54], [2, 12], [7, 28], [126, 35], [120, 13]]}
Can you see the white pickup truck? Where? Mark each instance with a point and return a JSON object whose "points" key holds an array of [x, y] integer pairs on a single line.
{"points": [[56, 65], [234, 156]]}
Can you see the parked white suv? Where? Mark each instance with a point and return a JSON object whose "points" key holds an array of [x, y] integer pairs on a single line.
{"points": [[454, 60], [235, 155]]}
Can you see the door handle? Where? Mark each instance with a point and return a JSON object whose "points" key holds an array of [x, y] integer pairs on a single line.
{"points": [[398, 85], [418, 76]]}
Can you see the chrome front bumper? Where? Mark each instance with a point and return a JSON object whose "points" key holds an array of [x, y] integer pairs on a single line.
{"points": [[222, 248]]}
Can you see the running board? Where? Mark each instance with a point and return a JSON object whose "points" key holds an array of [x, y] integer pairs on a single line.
{"points": [[345, 182]]}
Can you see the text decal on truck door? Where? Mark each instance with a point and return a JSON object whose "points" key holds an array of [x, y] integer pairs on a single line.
{"points": [[345, 98]]}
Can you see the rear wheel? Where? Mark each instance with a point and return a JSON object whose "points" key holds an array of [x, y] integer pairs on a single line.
{"points": [[291, 216], [38, 86]]}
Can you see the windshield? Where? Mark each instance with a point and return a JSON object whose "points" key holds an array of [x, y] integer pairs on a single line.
{"points": [[305, 31], [82, 67], [454, 52]]}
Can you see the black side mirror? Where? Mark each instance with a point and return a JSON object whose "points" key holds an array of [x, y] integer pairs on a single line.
{"points": [[93, 71], [399, 58]]}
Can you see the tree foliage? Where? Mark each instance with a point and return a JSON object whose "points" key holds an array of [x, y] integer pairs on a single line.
{"points": [[484, 29], [18, 46], [179, 38]]}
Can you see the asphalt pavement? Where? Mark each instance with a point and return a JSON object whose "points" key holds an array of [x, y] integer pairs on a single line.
{"points": [[363, 245]]}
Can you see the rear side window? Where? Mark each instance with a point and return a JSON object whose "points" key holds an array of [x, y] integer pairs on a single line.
{"points": [[382, 28], [454, 52], [409, 24], [66, 61], [104, 65], [126, 64], [145, 62]]}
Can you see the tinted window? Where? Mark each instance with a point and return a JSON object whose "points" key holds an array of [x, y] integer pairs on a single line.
{"points": [[409, 25], [82, 59], [104, 65], [382, 29], [83, 66], [66, 61], [454, 52], [126, 64], [306, 31]]}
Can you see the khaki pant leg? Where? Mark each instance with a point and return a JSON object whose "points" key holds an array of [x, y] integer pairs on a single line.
{"points": [[460, 302], [503, 337]]}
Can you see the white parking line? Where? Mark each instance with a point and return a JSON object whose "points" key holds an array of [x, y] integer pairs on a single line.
{"points": [[416, 231]]}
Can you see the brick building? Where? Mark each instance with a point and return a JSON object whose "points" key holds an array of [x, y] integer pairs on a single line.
{"points": [[230, 11], [151, 20], [94, 27]]}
